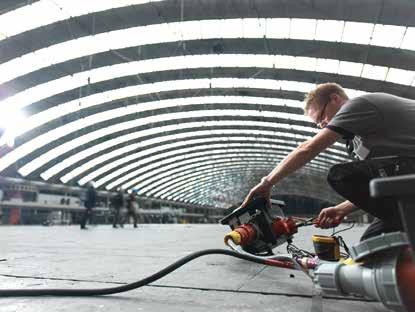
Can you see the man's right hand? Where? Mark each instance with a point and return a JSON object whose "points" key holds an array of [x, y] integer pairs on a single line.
{"points": [[330, 217], [262, 189]]}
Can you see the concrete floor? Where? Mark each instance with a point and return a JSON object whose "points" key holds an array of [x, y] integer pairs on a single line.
{"points": [[66, 257]]}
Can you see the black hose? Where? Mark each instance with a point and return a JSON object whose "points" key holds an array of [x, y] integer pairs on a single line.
{"points": [[118, 289]]}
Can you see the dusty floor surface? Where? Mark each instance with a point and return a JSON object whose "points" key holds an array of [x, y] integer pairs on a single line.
{"points": [[66, 257]]}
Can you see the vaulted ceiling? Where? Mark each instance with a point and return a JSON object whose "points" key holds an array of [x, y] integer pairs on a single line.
{"points": [[189, 100]]}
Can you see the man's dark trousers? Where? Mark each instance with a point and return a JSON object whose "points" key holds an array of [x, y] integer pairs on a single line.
{"points": [[351, 180]]}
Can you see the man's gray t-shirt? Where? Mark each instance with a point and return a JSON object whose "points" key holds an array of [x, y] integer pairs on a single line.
{"points": [[380, 124]]}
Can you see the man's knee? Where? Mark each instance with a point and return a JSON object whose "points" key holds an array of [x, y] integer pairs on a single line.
{"points": [[376, 228], [337, 175], [348, 173]]}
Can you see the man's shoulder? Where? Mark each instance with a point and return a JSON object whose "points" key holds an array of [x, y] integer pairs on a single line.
{"points": [[359, 103], [377, 101], [377, 98], [357, 116]]}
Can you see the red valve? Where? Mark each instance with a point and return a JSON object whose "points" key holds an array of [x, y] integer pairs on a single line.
{"points": [[248, 233], [280, 227], [284, 227], [405, 271]]}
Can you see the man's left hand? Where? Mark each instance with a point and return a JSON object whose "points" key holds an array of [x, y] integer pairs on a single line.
{"points": [[263, 190]]}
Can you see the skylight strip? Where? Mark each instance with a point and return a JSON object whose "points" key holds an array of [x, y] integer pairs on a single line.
{"points": [[374, 72], [45, 90], [144, 35], [329, 30], [303, 29], [155, 175], [46, 12], [387, 36], [76, 125], [350, 69], [408, 41], [400, 76], [76, 105], [359, 33]]}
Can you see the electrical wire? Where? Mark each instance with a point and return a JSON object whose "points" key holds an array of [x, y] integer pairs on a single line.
{"points": [[147, 280], [341, 241], [299, 219], [307, 222], [346, 229], [281, 257], [298, 252]]}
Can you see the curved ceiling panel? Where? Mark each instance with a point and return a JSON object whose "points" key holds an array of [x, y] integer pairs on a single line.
{"points": [[172, 163], [232, 171], [384, 12], [137, 159], [273, 28], [161, 95], [145, 182], [192, 177], [211, 190]]}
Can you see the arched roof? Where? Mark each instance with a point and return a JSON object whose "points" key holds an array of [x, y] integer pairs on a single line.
{"points": [[174, 97]]}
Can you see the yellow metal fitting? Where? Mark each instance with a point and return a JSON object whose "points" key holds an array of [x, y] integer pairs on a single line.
{"points": [[234, 236], [350, 261]]}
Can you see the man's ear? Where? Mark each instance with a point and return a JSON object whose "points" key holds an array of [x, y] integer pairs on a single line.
{"points": [[338, 99]]}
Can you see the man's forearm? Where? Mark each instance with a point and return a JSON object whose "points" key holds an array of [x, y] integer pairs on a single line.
{"points": [[295, 160], [346, 207], [302, 155]]}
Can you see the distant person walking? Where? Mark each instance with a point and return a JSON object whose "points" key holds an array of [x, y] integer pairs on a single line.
{"points": [[132, 207], [90, 202], [118, 203]]}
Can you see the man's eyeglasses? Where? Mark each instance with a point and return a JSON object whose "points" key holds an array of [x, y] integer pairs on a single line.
{"points": [[320, 117]]}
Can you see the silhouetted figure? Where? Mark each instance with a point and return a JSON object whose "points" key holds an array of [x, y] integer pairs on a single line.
{"points": [[90, 201], [132, 207], [118, 203]]}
